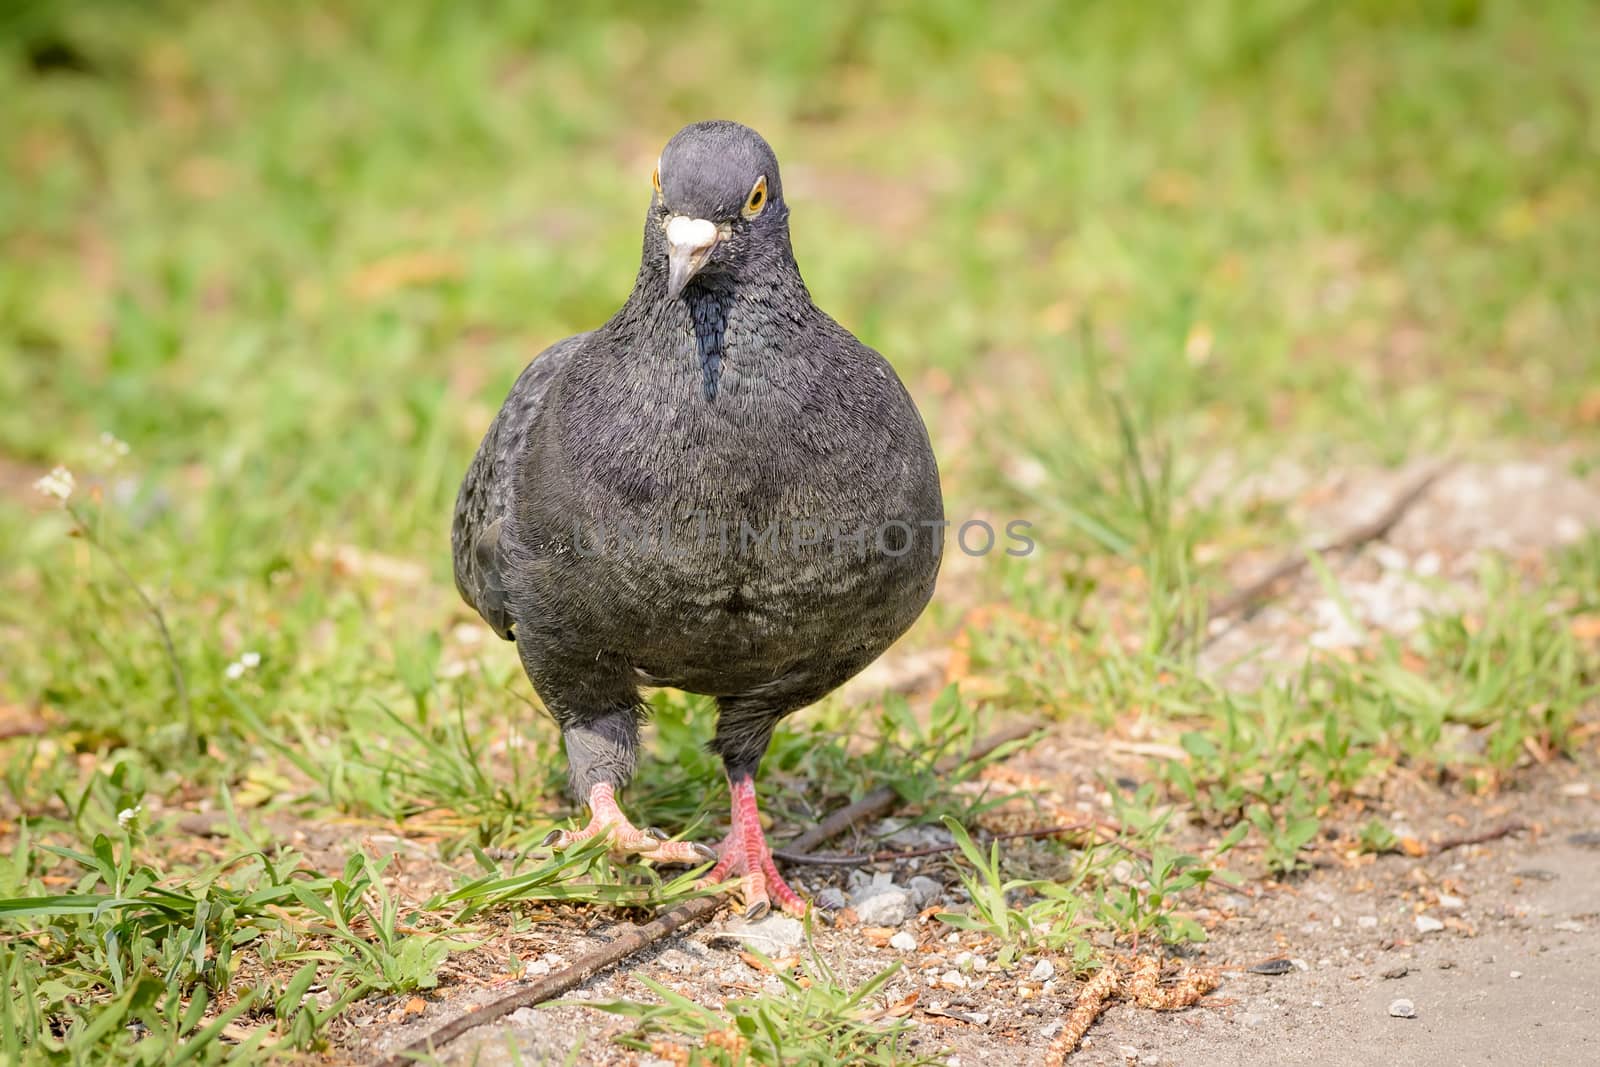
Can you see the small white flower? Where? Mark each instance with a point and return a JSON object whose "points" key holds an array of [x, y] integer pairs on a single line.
{"points": [[58, 484], [113, 445], [129, 815], [234, 671], [251, 660]]}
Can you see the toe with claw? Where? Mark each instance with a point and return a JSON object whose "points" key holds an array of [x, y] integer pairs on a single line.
{"points": [[745, 854], [605, 818]]}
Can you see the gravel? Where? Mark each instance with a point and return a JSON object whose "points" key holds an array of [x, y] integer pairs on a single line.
{"points": [[1402, 1009]]}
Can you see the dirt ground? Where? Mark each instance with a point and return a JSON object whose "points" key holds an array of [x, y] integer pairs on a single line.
{"points": [[1484, 953], [1511, 976]]}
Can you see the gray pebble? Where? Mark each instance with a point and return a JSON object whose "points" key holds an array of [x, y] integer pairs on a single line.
{"points": [[1403, 1009], [772, 935], [879, 905], [831, 899], [925, 890]]}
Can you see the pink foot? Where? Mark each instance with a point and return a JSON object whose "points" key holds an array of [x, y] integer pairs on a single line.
{"points": [[626, 839], [745, 854]]}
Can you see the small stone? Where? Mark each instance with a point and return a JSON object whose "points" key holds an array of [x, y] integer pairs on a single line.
{"points": [[953, 980], [1516, 974], [1051, 1029], [1252, 1018], [883, 905], [903, 942], [1454, 903], [1402, 1009], [1042, 971], [772, 936], [925, 890], [1397, 972], [1427, 924], [523, 1017], [1445, 965], [831, 899], [1367, 922], [1272, 966], [1570, 926], [535, 968], [1585, 839]]}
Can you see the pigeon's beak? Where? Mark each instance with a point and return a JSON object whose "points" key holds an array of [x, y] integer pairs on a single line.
{"points": [[689, 245]]}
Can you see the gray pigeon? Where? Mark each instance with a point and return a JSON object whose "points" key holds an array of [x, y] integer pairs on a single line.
{"points": [[720, 490]]}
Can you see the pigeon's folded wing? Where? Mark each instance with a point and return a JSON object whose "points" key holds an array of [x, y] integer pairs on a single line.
{"points": [[487, 492]]}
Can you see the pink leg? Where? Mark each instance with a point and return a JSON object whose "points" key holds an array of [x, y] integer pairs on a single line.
{"points": [[606, 818], [745, 854]]}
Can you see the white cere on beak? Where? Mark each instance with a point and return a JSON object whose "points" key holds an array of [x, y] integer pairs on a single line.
{"points": [[690, 235], [689, 244]]}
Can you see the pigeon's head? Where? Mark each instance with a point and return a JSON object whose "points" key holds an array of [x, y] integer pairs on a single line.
{"points": [[718, 205]]}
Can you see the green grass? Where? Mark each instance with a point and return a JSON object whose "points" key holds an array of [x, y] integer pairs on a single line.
{"points": [[293, 255], [816, 1022]]}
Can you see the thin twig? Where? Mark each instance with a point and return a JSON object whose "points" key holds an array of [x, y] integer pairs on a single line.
{"points": [[1247, 599], [636, 938], [892, 855], [1486, 836]]}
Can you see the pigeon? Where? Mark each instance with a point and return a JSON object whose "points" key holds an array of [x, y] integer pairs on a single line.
{"points": [[721, 490]]}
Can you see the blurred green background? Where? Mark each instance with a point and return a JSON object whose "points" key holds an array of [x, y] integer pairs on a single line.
{"points": [[294, 253]]}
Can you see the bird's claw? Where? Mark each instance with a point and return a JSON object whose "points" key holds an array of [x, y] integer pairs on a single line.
{"points": [[607, 820]]}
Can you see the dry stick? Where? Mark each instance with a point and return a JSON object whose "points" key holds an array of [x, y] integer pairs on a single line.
{"points": [[1246, 599], [1478, 839], [669, 922], [891, 855]]}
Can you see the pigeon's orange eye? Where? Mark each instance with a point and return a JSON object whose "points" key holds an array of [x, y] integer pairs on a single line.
{"points": [[757, 198], [655, 179]]}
